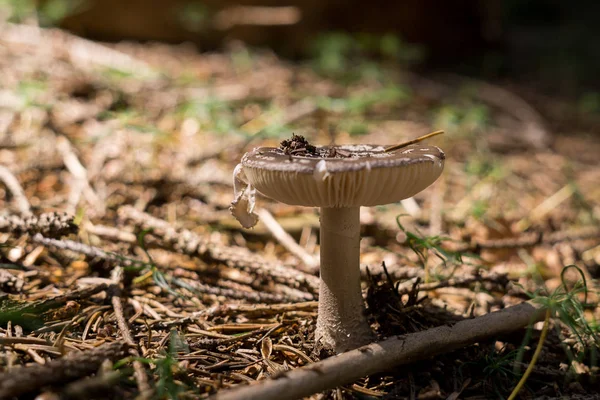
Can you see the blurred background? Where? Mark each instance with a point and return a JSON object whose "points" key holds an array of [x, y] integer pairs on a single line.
{"points": [[548, 44]]}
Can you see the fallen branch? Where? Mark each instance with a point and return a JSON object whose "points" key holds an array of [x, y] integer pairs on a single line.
{"points": [[287, 293], [194, 245], [51, 225], [18, 381], [377, 357], [90, 251]]}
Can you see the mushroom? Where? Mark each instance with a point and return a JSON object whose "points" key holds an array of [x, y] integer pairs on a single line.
{"points": [[339, 180]]}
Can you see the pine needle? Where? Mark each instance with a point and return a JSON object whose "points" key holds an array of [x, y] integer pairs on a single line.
{"points": [[413, 141]]}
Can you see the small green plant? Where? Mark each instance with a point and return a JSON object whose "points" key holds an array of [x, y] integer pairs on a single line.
{"points": [[465, 120], [194, 16], [565, 308], [211, 113], [165, 368], [331, 53], [479, 209], [590, 103], [423, 245], [353, 126], [497, 369], [482, 166], [359, 103]]}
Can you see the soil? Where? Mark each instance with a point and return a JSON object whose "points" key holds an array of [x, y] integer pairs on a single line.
{"points": [[298, 146]]}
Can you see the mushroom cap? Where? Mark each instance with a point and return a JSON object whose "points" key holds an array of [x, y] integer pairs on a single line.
{"points": [[357, 175]]}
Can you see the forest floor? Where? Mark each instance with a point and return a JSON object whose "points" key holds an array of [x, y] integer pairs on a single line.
{"points": [[137, 143]]}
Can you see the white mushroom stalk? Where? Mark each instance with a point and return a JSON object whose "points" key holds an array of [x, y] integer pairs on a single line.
{"points": [[341, 322], [339, 180]]}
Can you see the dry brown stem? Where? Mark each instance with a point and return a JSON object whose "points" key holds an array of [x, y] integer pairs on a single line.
{"points": [[377, 357]]}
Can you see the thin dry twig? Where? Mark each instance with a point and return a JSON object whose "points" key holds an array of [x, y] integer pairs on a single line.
{"points": [[377, 357], [532, 239], [310, 261], [412, 141], [81, 182], [139, 371], [12, 183]]}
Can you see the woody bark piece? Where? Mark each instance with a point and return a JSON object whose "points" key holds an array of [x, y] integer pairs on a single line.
{"points": [[75, 365]]}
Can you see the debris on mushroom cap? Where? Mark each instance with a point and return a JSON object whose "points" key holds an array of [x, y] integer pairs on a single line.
{"points": [[242, 206], [297, 145], [356, 175]]}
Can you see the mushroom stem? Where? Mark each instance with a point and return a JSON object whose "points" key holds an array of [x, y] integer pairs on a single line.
{"points": [[341, 324]]}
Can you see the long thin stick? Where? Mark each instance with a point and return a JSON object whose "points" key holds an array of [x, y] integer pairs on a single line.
{"points": [[377, 357], [413, 141]]}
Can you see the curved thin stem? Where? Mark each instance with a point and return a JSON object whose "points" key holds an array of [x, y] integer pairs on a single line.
{"points": [[536, 355]]}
